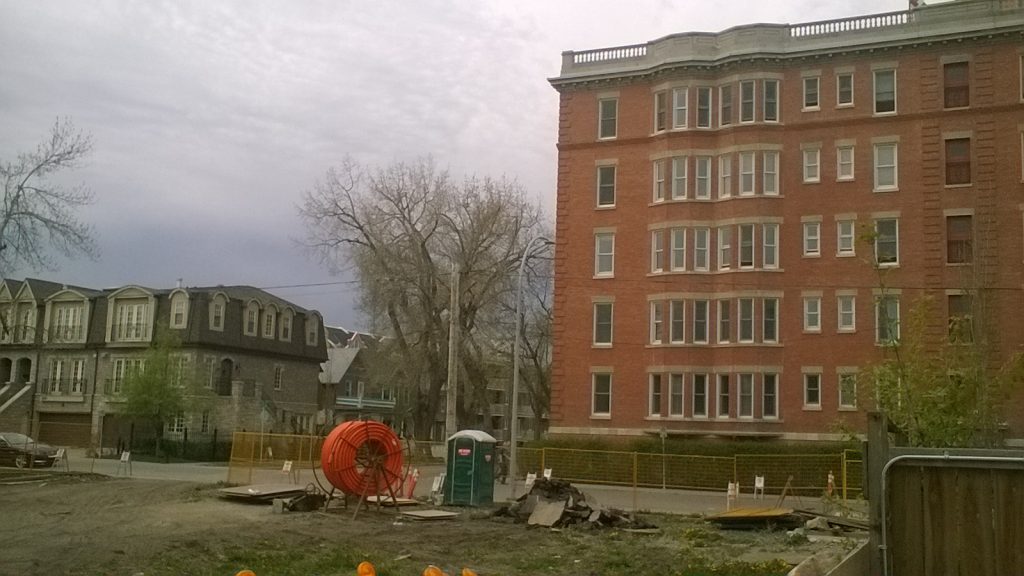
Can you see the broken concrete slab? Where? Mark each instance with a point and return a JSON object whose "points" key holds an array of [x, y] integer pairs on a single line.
{"points": [[546, 513]]}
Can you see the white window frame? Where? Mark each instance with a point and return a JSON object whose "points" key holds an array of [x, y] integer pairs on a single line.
{"points": [[812, 239], [748, 183], [677, 321], [657, 322], [773, 105], [657, 251], [676, 395], [680, 97], [680, 169], [747, 247], [725, 119], [807, 83], [772, 317], [746, 102], [745, 324], [677, 257], [723, 396], [808, 377], [701, 318], [599, 271], [772, 414], [893, 330], [278, 376], [846, 313], [745, 392], [839, 91], [811, 165], [610, 306], [654, 395], [725, 176], [724, 247], [660, 108], [698, 408], [701, 239], [702, 184], [896, 241], [812, 314], [846, 240], [603, 185], [601, 119], [594, 393], [770, 173], [841, 382], [875, 92], [658, 181], [724, 318], [701, 92], [770, 246], [845, 163], [879, 185]]}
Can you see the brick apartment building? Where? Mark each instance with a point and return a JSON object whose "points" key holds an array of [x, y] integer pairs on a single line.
{"points": [[744, 217]]}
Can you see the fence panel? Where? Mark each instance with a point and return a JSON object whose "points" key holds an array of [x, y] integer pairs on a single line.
{"points": [[253, 452], [590, 466], [809, 471]]}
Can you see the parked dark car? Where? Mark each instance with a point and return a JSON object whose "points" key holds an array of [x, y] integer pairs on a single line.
{"points": [[19, 450]]}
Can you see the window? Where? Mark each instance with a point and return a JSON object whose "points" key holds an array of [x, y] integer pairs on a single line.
{"points": [[848, 391], [812, 165], [725, 176], [887, 319], [771, 100], [844, 163], [679, 165], [278, 377], [179, 310], [660, 111], [703, 191], [723, 396], [770, 396], [812, 314], [886, 177], [961, 318], [887, 244], [123, 369], [770, 170], [844, 89], [312, 330], [252, 315], [679, 97], [700, 249], [657, 250], [959, 239], [700, 321], [603, 323], [131, 322], [746, 320], [747, 101], [67, 323], [956, 85], [812, 390], [286, 325], [212, 372], [678, 257], [885, 91], [746, 245], [677, 326], [269, 323], [601, 403], [604, 254], [847, 308], [724, 248], [746, 173], [177, 424], [77, 376], [204, 425], [770, 234], [811, 93], [608, 113], [724, 317], [770, 321], [657, 322], [725, 105], [958, 161], [217, 315], [606, 185], [658, 190], [845, 240], [675, 394], [180, 369], [746, 400], [654, 396], [812, 238], [703, 107], [56, 375], [700, 395]]}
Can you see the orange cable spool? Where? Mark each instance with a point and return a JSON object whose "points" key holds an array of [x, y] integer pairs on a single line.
{"points": [[363, 458]]}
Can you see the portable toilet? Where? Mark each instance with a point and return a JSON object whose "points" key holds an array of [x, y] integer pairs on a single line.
{"points": [[469, 480]]}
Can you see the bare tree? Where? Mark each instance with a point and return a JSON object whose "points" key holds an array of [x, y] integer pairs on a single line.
{"points": [[401, 229], [39, 215]]}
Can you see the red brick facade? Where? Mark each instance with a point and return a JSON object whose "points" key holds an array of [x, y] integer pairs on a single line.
{"points": [[748, 253]]}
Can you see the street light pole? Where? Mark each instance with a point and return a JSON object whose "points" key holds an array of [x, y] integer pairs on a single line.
{"points": [[514, 425], [451, 394]]}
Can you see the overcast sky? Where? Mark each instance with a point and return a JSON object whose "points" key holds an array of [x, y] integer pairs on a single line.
{"points": [[210, 119]]}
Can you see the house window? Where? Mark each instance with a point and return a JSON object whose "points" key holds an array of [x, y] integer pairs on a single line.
{"points": [[675, 395], [177, 424], [67, 325], [608, 112], [746, 245], [204, 426], [887, 244], [812, 314], [724, 321], [658, 190], [678, 257], [657, 322], [606, 186], [603, 323], [660, 111], [746, 393], [278, 376], [724, 248], [811, 93], [746, 173], [700, 321], [725, 176], [312, 330], [604, 254], [212, 372], [746, 320], [77, 376], [657, 250], [217, 316], [771, 100], [179, 306], [286, 326], [601, 401], [770, 233], [848, 391], [703, 107], [252, 314], [725, 105], [747, 101], [844, 89], [961, 318], [677, 321], [887, 319], [770, 322], [700, 249], [956, 85], [723, 396], [770, 396], [812, 238], [679, 98], [124, 369], [56, 375], [958, 161], [131, 323], [847, 306], [886, 173], [812, 390], [812, 165], [845, 240], [679, 168], [654, 396], [700, 395], [844, 163], [703, 191], [770, 171], [269, 323], [885, 91], [180, 370], [959, 239]]}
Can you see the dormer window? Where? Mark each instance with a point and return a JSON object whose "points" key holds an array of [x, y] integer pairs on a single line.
{"points": [[312, 330], [252, 315], [217, 310], [270, 322], [286, 326], [179, 310]]}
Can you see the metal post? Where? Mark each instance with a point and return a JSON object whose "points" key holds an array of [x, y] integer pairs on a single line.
{"points": [[450, 426], [664, 434]]}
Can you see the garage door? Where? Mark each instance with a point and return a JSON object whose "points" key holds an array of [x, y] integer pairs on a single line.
{"points": [[65, 429]]}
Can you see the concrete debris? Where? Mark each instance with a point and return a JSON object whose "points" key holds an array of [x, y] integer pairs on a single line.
{"points": [[556, 503]]}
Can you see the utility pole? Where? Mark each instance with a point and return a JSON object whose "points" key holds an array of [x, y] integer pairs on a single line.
{"points": [[453, 352]]}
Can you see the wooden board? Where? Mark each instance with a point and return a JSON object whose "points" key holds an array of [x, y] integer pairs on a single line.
{"points": [[386, 501], [430, 514], [262, 491]]}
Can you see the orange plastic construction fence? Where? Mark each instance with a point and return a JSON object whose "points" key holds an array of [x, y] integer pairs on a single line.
{"points": [[363, 458]]}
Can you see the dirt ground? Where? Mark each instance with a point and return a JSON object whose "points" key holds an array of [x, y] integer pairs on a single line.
{"points": [[90, 524]]}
